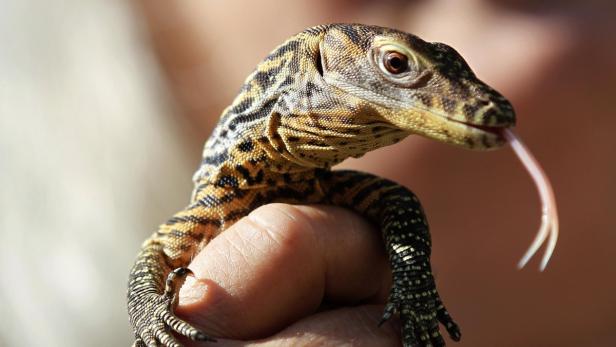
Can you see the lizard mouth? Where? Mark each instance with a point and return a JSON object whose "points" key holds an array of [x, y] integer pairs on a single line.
{"points": [[494, 130], [489, 136], [457, 132]]}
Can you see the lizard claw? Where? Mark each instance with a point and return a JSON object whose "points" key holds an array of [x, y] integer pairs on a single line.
{"points": [[138, 342], [154, 320]]}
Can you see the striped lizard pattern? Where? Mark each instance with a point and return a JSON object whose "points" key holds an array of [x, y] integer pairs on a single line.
{"points": [[326, 94]]}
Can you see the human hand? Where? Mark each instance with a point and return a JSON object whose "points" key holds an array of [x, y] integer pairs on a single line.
{"points": [[292, 275]]}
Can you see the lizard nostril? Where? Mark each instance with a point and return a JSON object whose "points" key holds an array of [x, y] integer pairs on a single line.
{"points": [[484, 101]]}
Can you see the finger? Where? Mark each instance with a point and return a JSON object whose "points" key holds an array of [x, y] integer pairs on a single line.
{"points": [[356, 326], [348, 326], [278, 265]]}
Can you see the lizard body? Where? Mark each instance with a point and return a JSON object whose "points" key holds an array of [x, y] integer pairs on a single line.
{"points": [[326, 94]]}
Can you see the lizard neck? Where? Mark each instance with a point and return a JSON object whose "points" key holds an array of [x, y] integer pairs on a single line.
{"points": [[248, 157], [245, 142]]}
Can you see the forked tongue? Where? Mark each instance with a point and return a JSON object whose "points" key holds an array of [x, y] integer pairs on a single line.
{"points": [[549, 214]]}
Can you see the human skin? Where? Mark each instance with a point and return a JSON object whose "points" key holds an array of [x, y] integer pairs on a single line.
{"points": [[266, 278]]}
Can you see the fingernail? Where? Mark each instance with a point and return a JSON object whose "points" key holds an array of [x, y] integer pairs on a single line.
{"points": [[192, 291]]}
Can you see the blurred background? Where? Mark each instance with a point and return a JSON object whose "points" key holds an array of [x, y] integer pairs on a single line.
{"points": [[105, 104]]}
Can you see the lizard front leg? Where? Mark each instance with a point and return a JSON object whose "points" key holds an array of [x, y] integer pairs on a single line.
{"points": [[398, 213], [166, 254], [160, 269]]}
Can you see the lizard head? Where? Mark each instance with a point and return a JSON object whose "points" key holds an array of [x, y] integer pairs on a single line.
{"points": [[338, 91], [413, 86]]}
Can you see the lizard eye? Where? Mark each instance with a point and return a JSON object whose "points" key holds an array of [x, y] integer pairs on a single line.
{"points": [[398, 64], [395, 62]]}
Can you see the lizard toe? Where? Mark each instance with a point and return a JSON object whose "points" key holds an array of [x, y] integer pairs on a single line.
{"points": [[445, 319]]}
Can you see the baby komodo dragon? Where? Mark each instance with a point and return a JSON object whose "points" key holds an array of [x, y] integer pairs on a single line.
{"points": [[326, 94]]}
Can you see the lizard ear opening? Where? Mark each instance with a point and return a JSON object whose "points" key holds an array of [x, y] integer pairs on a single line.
{"points": [[319, 63]]}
